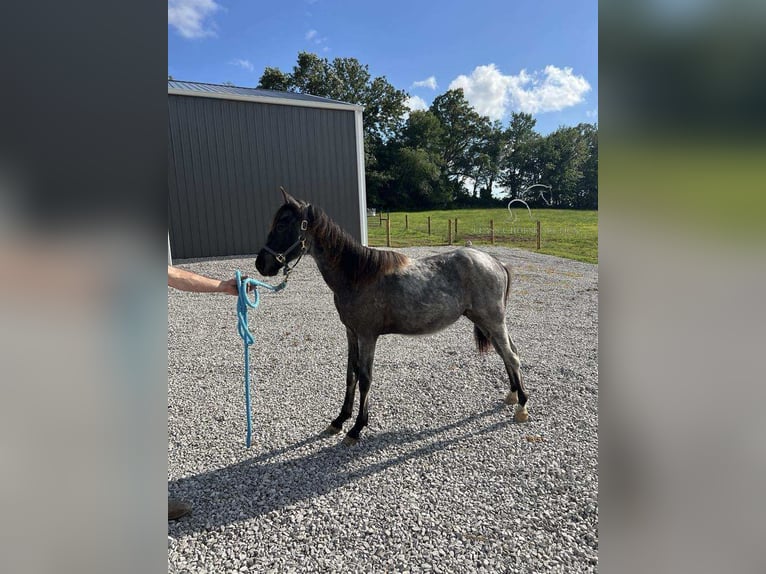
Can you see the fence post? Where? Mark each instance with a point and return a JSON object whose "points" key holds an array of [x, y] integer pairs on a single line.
{"points": [[492, 231], [380, 218], [388, 231], [406, 222], [538, 235], [429, 225], [456, 229], [449, 232]]}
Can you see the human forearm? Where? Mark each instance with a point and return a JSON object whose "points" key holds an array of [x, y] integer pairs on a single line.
{"points": [[188, 281]]}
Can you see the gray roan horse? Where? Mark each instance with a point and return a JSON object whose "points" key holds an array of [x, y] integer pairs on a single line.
{"points": [[379, 292]]}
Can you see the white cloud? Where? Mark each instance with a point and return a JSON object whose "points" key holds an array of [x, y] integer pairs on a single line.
{"points": [[190, 17], [244, 64], [556, 90], [429, 82], [486, 90], [415, 103], [314, 37], [493, 94], [592, 113]]}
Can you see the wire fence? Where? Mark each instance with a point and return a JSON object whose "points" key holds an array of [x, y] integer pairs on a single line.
{"points": [[407, 231]]}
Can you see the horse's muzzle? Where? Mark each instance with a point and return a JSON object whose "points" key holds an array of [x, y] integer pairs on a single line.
{"points": [[266, 264]]}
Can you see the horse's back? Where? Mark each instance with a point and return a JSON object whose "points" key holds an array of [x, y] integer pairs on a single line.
{"points": [[428, 294], [457, 269], [443, 287], [470, 265]]}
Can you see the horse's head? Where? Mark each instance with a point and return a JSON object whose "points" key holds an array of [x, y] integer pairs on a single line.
{"points": [[287, 238]]}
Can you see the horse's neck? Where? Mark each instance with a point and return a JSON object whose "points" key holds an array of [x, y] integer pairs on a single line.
{"points": [[328, 253]]}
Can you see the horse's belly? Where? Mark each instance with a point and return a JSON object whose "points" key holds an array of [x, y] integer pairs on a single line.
{"points": [[422, 318]]}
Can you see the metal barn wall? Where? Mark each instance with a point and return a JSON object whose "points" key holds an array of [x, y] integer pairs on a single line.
{"points": [[227, 160]]}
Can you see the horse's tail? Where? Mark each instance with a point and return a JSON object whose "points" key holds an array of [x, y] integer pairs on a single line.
{"points": [[508, 283], [482, 343]]}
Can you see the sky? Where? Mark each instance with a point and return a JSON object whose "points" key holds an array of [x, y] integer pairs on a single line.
{"points": [[534, 56]]}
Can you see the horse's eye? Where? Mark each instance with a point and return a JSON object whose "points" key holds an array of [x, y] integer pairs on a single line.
{"points": [[281, 227]]}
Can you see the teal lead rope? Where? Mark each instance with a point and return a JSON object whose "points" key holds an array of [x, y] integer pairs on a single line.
{"points": [[243, 302]]}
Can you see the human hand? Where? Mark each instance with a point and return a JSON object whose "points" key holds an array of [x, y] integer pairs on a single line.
{"points": [[230, 286]]}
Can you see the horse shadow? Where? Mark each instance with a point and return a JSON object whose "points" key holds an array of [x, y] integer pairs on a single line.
{"points": [[269, 481]]}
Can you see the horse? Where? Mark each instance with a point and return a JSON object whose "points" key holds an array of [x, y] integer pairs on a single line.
{"points": [[377, 292]]}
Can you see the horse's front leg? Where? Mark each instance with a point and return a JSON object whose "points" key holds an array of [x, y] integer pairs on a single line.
{"points": [[366, 356], [351, 378]]}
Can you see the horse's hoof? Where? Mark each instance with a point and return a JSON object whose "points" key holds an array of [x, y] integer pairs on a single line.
{"points": [[512, 398], [348, 440], [521, 415], [331, 430]]}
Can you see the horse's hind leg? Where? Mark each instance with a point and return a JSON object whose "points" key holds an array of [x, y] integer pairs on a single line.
{"points": [[513, 347], [512, 397], [351, 379], [504, 346]]}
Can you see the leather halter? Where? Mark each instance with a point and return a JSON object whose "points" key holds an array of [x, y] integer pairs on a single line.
{"points": [[282, 257]]}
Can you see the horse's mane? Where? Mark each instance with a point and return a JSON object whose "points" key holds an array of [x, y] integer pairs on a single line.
{"points": [[359, 263]]}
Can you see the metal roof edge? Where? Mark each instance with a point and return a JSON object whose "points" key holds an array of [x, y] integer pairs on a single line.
{"points": [[267, 100]]}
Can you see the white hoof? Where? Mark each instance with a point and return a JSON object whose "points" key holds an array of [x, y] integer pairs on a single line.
{"points": [[512, 398], [521, 415]]}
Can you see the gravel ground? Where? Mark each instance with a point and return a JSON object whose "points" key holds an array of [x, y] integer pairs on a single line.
{"points": [[442, 480]]}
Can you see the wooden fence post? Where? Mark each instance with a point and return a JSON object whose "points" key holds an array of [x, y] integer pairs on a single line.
{"points": [[492, 231], [406, 222], [388, 231], [456, 229], [429, 225], [538, 235], [449, 232]]}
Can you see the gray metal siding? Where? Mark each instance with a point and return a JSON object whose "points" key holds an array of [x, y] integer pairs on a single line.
{"points": [[227, 160]]}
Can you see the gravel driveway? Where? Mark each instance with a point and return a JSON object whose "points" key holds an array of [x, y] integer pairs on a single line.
{"points": [[442, 480]]}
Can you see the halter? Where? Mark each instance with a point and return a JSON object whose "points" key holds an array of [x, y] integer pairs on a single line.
{"points": [[282, 257]]}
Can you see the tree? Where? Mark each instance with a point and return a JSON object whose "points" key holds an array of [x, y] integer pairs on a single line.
{"points": [[409, 168], [423, 130], [462, 129], [274, 79], [346, 80], [520, 169], [487, 155], [589, 182], [563, 156], [417, 178], [425, 159]]}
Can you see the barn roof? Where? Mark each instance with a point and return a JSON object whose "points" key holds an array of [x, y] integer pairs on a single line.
{"points": [[226, 92]]}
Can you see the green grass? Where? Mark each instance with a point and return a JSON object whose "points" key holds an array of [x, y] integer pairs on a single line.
{"points": [[564, 233]]}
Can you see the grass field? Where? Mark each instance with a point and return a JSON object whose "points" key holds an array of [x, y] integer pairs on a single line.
{"points": [[564, 233]]}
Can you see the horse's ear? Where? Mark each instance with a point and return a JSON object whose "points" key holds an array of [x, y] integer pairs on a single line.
{"points": [[288, 198]]}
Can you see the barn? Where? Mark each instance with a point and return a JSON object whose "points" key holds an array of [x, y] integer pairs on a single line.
{"points": [[231, 148]]}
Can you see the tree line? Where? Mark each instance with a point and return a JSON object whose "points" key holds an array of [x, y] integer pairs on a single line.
{"points": [[449, 155]]}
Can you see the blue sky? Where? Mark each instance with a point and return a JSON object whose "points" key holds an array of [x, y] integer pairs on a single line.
{"points": [[537, 56]]}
